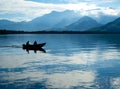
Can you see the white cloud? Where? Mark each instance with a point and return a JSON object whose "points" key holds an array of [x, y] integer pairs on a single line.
{"points": [[32, 9], [110, 11]]}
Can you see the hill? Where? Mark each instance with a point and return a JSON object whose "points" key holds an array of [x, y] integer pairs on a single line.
{"points": [[83, 24], [110, 27]]}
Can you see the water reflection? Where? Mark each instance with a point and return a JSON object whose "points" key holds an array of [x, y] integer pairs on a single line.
{"points": [[115, 82], [77, 61], [82, 70], [84, 79], [35, 50]]}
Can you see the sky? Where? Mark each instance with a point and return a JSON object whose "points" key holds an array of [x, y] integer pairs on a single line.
{"points": [[26, 10]]}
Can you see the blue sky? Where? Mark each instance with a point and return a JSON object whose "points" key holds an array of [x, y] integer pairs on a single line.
{"points": [[25, 10]]}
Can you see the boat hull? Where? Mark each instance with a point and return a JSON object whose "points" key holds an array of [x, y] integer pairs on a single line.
{"points": [[33, 47]]}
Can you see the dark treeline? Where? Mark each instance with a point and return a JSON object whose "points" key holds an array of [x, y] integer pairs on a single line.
{"points": [[10, 32], [54, 32]]}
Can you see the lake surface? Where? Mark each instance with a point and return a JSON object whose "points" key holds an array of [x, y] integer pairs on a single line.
{"points": [[71, 61]]}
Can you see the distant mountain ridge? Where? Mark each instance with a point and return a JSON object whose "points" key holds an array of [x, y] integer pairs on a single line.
{"points": [[57, 21], [47, 21], [54, 19], [10, 25], [83, 24], [113, 26]]}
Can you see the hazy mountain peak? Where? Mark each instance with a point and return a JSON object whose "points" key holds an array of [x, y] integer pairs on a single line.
{"points": [[117, 20], [86, 18], [67, 18], [83, 24], [4, 20], [113, 26]]}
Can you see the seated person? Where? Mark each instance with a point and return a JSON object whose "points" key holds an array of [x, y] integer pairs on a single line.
{"points": [[27, 43], [35, 43]]}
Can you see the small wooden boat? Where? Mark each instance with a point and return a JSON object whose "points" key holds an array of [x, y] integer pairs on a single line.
{"points": [[34, 46]]}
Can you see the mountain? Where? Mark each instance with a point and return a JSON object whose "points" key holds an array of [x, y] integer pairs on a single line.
{"points": [[57, 21], [47, 21], [10, 25], [110, 27], [83, 24], [6, 24], [54, 20], [104, 19]]}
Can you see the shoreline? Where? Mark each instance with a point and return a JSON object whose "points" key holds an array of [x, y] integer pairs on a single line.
{"points": [[2, 32]]}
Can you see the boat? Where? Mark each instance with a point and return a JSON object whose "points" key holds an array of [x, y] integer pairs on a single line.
{"points": [[33, 47]]}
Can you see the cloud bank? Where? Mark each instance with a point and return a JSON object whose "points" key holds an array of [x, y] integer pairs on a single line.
{"points": [[19, 10]]}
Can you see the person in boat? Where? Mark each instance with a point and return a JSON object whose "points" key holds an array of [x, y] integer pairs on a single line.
{"points": [[35, 43], [27, 43]]}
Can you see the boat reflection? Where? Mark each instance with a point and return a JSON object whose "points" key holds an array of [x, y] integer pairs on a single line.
{"points": [[35, 50]]}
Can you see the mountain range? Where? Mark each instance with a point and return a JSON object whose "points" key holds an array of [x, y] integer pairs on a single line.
{"points": [[66, 20], [47, 21], [113, 26], [83, 24]]}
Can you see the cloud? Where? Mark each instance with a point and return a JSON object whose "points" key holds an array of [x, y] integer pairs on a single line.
{"points": [[59, 1], [19, 10], [69, 1]]}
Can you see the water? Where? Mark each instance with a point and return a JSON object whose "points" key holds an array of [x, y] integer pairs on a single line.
{"points": [[71, 61]]}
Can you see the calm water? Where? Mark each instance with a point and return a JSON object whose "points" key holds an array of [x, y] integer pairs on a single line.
{"points": [[81, 61]]}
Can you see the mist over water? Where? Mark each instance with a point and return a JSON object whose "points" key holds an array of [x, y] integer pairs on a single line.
{"points": [[82, 61]]}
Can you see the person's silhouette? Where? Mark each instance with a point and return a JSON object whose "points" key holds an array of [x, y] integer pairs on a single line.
{"points": [[27, 43], [35, 43]]}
